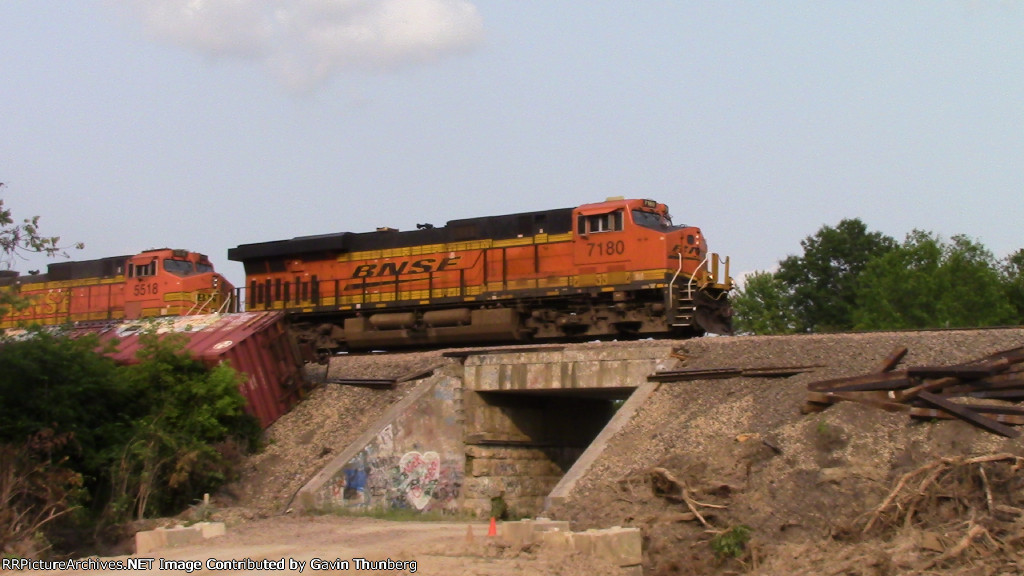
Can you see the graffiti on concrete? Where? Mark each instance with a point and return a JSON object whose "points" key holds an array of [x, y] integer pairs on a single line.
{"points": [[420, 480], [419, 474], [416, 461]]}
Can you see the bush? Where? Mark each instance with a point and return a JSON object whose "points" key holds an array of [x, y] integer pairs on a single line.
{"points": [[78, 432]]}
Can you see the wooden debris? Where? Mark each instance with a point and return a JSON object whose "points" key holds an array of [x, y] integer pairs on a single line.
{"points": [[893, 359], [928, 391], [377, 383], [716, 373], [666, 485], [463, 354]]}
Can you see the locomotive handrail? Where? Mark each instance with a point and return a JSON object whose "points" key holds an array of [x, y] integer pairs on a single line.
{"points": [[689, 285], [672, 283], [224, 306]]}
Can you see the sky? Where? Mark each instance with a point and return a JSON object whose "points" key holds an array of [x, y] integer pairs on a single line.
{"points": [[199, 124]]}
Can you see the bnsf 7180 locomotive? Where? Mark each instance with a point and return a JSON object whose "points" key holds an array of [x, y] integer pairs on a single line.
{"points": [[161, 282], [614, 269]]}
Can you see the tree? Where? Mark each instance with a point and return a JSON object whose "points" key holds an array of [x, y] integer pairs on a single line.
{"points": [[763, 306], [823, 282], [929, 283], [18, 239], [1013, 282]]}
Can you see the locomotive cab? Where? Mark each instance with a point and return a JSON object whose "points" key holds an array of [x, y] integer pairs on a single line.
{"points": [[173, 282], [627, 243], [639, 232]]}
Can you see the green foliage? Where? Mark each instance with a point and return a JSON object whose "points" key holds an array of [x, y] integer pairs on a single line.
{"points": [[929, 283], [732, 543], [764, 305], [177, 449], [62, 385], [499, 508], [142, 439], [851, 279], [1012, 272], [822, 283], [17, 239]]}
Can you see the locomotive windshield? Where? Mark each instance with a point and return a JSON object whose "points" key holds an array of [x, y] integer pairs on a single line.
{"points": [[654, 220], [179, 267]]}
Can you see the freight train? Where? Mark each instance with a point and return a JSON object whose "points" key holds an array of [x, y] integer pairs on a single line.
{"points": [[162, 282], [613, 269]]}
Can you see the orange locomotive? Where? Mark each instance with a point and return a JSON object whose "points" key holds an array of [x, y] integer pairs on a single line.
{"points": [[614, 269], [160, 282]]}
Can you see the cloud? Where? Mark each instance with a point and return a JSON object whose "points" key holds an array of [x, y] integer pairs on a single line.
{"points": [[305, 42]]}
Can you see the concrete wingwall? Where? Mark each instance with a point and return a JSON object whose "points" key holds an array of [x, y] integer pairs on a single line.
{"points": [[515, 430], [413, 457]]}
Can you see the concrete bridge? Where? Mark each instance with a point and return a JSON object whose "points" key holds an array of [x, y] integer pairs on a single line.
{"points": [[500, 428]]}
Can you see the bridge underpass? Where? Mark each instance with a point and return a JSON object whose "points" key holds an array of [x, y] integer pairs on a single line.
{"points": [[510, 428]]}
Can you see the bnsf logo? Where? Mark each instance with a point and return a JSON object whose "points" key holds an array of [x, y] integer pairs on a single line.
{"points": [[407, 267]]}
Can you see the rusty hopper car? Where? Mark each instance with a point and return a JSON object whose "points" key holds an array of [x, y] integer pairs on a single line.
{"points": [[613, 269], [162, 282]]}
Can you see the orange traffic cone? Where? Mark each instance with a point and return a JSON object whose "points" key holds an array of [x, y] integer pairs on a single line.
{"points": [[492, 530], [469, 533]]}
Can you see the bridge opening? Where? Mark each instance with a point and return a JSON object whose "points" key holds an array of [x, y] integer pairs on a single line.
{"points": [[520, 443]]}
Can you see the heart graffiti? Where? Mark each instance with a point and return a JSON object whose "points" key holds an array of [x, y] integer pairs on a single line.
{"points": [[419, 476]]}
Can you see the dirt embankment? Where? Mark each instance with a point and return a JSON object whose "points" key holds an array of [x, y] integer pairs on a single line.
{"points": [[851, 490], [301, 442]]}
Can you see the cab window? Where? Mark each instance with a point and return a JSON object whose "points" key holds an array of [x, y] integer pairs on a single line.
{"points": [[203, 267], [179, 267], [139, 270], [595, 223], [653, 220]]}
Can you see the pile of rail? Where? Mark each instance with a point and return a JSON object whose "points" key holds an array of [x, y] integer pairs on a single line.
{"points": [[929, 391]]}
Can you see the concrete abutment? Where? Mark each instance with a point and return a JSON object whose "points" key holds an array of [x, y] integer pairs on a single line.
{"points": [[511, 430]]}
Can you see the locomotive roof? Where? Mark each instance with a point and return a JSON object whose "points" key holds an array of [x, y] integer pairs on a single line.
{"points": [[99, 268], [557, 221]]}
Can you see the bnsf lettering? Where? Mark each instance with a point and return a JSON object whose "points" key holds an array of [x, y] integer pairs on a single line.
{"points": [[414, 267]]}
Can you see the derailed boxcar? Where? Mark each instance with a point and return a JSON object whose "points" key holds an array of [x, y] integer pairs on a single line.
{"points": [[257, 344]]}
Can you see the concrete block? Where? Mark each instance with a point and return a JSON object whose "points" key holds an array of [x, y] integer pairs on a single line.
{"points": [[555, 540], [547, 525], [183, 535], [620, 546], [524, 532], [518, 533], [212, 529], [149, 540]]}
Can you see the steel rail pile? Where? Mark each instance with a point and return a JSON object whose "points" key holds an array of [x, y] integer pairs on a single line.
{"points": [[928, 391]]}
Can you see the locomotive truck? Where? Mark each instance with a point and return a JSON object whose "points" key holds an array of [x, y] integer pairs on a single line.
{"points": [[613, 269], [161, 282]]}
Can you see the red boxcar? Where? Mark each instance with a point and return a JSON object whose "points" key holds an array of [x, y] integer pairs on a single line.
{"points": [[257, 344]]}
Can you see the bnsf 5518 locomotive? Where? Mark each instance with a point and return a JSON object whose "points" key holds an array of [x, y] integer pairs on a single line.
{"points": [[614, 269], [161, 282]]}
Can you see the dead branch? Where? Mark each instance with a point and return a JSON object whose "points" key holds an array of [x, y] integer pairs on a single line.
{"points": [[666, 485], [975, 532]]}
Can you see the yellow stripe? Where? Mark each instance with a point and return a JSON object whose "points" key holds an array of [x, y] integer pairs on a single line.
{"points": [[454, 247], [58, 284], [501, 290], [511, 242]]}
